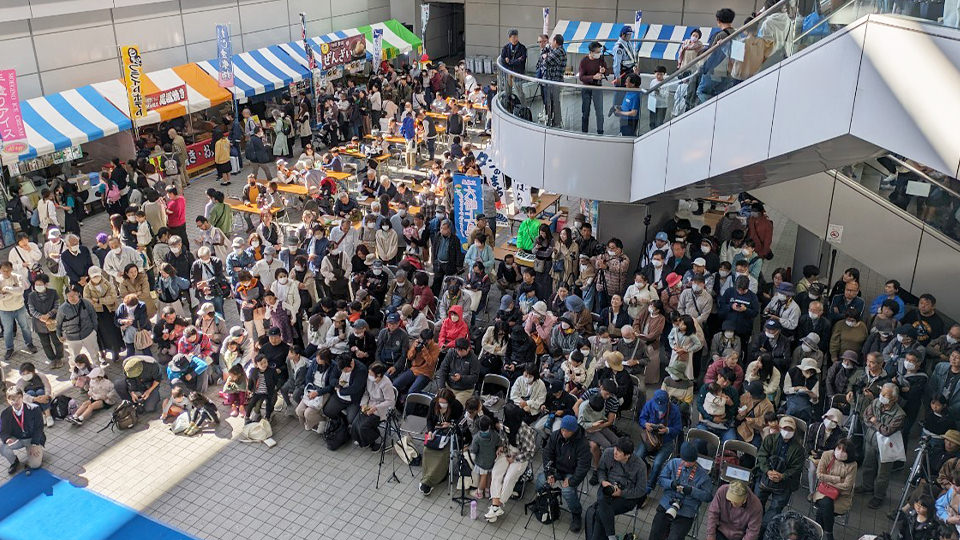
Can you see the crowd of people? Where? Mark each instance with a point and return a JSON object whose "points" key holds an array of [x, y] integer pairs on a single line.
{"points": [[341, 324]]}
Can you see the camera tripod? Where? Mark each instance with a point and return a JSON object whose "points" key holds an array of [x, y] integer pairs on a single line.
{"points": [[456, 460], [391, 429], [920, 470]]}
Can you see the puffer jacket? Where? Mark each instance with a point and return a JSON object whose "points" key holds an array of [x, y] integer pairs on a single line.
{"points": [[76, 321]]}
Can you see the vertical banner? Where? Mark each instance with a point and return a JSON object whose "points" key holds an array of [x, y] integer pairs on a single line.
{"points": [[636, 26], [13, 134], [467, 201], [318, 85], [424, 19], [311, 62], [546, 20], [224, 57], [132, 79], [377, 51]]}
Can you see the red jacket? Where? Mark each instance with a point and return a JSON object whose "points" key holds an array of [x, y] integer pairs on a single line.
{"points": [[451, 331], [760, 230]]}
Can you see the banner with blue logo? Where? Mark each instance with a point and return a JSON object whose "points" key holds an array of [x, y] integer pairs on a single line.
{"points": [[467, 202], [224, 56]]}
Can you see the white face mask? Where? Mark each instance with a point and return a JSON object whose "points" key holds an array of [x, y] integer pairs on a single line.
{"points": [[74, 249], [786, 434], [724, 273], [851, 324], [839, 454], [728, 334], [132, 219], [805, 347], [657, 263], [283, 280], [909, 366], [585, 352], [950, 339], [41, 288], [443, 406], [594, 55], [583, 267], [847, 365], [371, 225], [298, 267], [705, 249], [899, 336], [696, 287], [770, 335], [746, 252], [27, 377], [829, 424], [385, 228], [611, 253], [255, 243], [528, 379], [884, 400], [371, 378], [652, 311], [813, 316]]}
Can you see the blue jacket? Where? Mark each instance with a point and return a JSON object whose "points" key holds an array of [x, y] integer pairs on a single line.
{"points": [[332, 377], [654, 414], [407, 129], [702, 487], [742, 320], [244, 260], [197, 367], [514, 57], [839, 306], [879, 300]]}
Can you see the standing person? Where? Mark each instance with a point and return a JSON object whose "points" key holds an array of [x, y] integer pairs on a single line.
{"points": [[21, 426], [447, 254], [103, 298], [593, 70], [882, 417], [685, 486], [660, 97], [13, 310], [47, 211], [177, 215], [42, 304], [514, 57], [612, 268], [53, 250], [77, 325], [554, 63], [760, 230], [624, 56], [715, 71], [221, 158], [259, 155], [629, 108]]}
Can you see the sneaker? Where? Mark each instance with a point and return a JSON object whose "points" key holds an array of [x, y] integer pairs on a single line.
{"points": [[15, 467], [576, 523], [48, 420], [8, 355], [234, 412], [425, 489], [33, 349], [77, 420], [493, 513], [875, 503]]}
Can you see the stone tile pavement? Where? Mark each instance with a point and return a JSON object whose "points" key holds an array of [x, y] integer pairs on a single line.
{"points": [[213, 486]]}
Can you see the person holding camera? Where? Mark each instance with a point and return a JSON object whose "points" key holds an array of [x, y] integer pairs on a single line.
{"points": [[685, 485], [883, 418], [734, 514], [623, 485], [780, 460], [864, 385], [566, 462], [661, 425]]}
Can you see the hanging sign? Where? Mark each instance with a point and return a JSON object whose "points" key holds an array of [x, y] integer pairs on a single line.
{"points": [[546, 20], [166, 97], [467, 198], [224, 57], [133, 79], [13, 133], [377, 52], [343, 51]]}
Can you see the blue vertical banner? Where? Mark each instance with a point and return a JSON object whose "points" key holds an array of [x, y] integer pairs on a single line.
{"points": [[546, 20], [467, 201], [224, 57], [377, 52]]}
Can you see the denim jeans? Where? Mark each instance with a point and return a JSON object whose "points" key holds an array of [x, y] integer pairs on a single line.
{"points": [[570, 495], [585, 97], [628, 126], [408, 383], [8, 318], [659, 459], [710, 87], [37, 393]]}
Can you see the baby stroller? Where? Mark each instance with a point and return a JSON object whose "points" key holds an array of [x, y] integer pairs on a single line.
{"points": [[325, 135]]}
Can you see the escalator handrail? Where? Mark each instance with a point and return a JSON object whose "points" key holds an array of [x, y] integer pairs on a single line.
{"points": [[824, 20]]}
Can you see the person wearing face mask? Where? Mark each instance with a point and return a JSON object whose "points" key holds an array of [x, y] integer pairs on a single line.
{"points": [[912, 379], [237, 260], [42, 303], [904, 343], [697, 303], [729, 360], [709, 256], [649, 328], [774, 343], [839, 373], [822, 437], [639, 294], [783, 309], [592, 72], [178, 256], [36, 390], [612, 267], [379, 397], [564, 336], [780, 463], [748, 254], [177, 215], [812, 321], [266, 268], [21, 426], [885, 417], [723, 279], [760, 231], [118, 258], [443, 414], [836, 474], [813, 293], [103, 296], [724, 340], [660, 418], [940, 349], [809, 347], [849, 334], [529, 393]]}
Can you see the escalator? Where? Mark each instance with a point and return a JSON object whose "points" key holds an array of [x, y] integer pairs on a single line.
{"points": [[880, 83]]}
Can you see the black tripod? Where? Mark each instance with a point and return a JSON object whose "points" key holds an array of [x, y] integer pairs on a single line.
{"points": [[391, 428], [920, 470], [456, 470]]}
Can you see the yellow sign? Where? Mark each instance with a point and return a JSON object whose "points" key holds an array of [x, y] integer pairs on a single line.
{"points": [[133, 79]]}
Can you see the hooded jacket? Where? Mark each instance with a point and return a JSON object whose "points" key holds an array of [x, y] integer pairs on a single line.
{"points": [[450, 331], [468, 367], [569, 457], [76, 321], [659, 410]]}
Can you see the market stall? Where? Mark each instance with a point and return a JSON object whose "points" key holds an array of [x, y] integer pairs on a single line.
{"points": [[263, 71], [184, 97]]}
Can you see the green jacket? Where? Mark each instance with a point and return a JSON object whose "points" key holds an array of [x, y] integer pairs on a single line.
{"points": [[221, 217], [527, 234], [796, 457]]}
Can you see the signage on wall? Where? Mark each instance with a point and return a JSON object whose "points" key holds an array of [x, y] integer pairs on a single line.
{"points": [[224, 57], [13, 133], [343, 51], [166, 97], [834, 233], [133, 79], [199, 155]]}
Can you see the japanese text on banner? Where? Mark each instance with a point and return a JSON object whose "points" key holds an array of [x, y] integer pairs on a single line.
{"points": [[467, 198], [377, 52], [133, 79], [172, 96], [224, 57], [13, 134], [198, 155]]}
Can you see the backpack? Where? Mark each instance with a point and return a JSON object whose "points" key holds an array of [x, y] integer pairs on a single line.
{"points": [[170, 166], [546, 507], [15, 210], [124, 416], [113, 194], [336, 433], [287, 127], [60, 407], [523, 113]]}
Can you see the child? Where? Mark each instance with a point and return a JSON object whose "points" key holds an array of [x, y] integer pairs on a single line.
{"points": [[204, 414], [574, 372], [771, 424], [235, 390], [484, 451], [80, 374], [551, 364], [937, 422], [279, 316], [231, 358], [144, 234], [102, 395], [713, 402], [919, 522], [175, 404]]}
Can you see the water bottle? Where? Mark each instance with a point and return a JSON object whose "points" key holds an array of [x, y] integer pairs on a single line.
{"points": [[473, 509]]}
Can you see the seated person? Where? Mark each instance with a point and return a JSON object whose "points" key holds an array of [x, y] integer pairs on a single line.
{"points": [[378, 399], [623, 484], [100, 395], [596, 412], [529, 393]]}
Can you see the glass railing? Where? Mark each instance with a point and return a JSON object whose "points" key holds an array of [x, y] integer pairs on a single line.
{"points": [[920, 191], [592, 104]]}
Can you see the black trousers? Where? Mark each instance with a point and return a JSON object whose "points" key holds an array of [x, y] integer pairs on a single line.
{"points": [[600, 515], [663, 528], [258, 399]]}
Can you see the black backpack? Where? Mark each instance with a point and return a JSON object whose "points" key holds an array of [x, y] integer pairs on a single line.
{"points": [[336, 433], [15, 210], [546, 507], [125, 416], [60, 407], [523, 113]]}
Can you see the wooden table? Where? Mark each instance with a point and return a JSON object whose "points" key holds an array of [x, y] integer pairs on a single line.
{"points": [[239, 206], [337, 175], [295, 189], [473, 106], [501, 251], [437, 115], [545, 201], [411, 210], [392, 140]]}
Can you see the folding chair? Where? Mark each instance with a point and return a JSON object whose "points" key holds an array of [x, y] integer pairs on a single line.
{"points": [[495, 385], [713, 447], [730, 472], [412, 423], [816, 525]]}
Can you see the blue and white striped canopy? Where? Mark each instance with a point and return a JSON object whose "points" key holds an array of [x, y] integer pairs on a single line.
{"points": [[669, 51], [67, 119], [260, 71], [577, 36], [297, 52]]}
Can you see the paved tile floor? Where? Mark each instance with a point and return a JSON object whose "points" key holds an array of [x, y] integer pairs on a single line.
{"points": [[214, 486]]}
